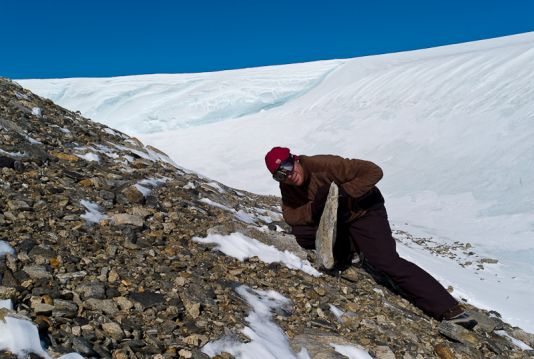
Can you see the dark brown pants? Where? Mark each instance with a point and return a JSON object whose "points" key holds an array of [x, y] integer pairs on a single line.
{"points": [[371, 236]]}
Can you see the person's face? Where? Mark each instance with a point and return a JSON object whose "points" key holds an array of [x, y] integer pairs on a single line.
{"points": [[297, 177]]}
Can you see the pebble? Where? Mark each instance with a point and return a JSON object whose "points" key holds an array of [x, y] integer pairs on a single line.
{"points": [[114, 330]]}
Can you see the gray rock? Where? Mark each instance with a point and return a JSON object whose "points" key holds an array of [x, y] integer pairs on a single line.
{"points": [[148, 299], [65, 277], [124, 218], [133, 194], [18, 205], [107, 306], [42, 308], [7, 292], [325, 237], [92, 290], [64, 308], [113, 330], [37, 272], [82, 346], [40, 251]]}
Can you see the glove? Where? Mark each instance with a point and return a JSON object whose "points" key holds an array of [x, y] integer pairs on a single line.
{"points": [[318, 203]]}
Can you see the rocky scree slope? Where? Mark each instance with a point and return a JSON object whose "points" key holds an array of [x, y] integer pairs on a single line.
{"points": [[105, 264]]}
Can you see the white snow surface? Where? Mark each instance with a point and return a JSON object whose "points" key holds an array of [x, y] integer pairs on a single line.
{"points": [[267, 340], [92, 213], [89, 156], [351, 352], [239, 246], [518, 343], [6, 303], [21, 337], [452, 127], [5, 248]]}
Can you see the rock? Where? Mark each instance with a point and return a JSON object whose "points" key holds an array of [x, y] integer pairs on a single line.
{"points": [[113, 276], [92, 290], [133, 194], [107, 306], [43, 308], [197, 354], [185, 353], [383, 352], [18, 206], [459, 333], [37, 272], [82, 346], [320, 290], [148, 299], [489, 260], [327, 230], [124, 218], [40, 251], [65, 277], [196, 340], [113, 330], [484, 322], [443, 351], [7, 292], [64, 308], [64, 156], [123, 303]]}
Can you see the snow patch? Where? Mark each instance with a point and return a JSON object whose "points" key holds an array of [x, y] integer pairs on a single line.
{"points": [[351, 351], [20, 337], [189, 185], [5, 248], [518, 343], [267, 340], [338, 313], [93, 213], [239, 246], [89, 156], [6, 303], [12, 154]]}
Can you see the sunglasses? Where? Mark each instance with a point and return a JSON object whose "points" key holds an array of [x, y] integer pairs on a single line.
{"points": [[285, 170]]}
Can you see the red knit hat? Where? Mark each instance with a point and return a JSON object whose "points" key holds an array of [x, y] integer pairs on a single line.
{"points": [[275, 156]]}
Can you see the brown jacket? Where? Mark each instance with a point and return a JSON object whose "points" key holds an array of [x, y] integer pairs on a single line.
{"points": [[356, 177]]}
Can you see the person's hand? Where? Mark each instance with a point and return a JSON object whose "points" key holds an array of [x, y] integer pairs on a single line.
{"points": [[318, 203]]}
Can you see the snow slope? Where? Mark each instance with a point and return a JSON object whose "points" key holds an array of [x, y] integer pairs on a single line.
{"points": [[452, 127]]}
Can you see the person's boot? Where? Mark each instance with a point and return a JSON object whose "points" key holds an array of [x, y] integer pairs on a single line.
{"points": [[458, 315], [325, 237]]}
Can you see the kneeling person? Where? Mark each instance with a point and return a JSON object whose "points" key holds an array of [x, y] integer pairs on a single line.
{"points": [[362, 224]]}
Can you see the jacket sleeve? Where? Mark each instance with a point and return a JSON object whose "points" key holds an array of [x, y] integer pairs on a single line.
{"points": [[358, 177], [297, 216]]}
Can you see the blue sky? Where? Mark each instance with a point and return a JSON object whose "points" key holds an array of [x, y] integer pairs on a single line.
{"points": [[46, 39]]}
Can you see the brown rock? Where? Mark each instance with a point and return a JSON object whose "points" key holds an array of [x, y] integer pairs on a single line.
{"points": [[124, 218], [133, 195], [64, 156], [443, 351]]}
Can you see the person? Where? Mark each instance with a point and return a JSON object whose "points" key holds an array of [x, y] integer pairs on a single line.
{"points": [[362, 222]]}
